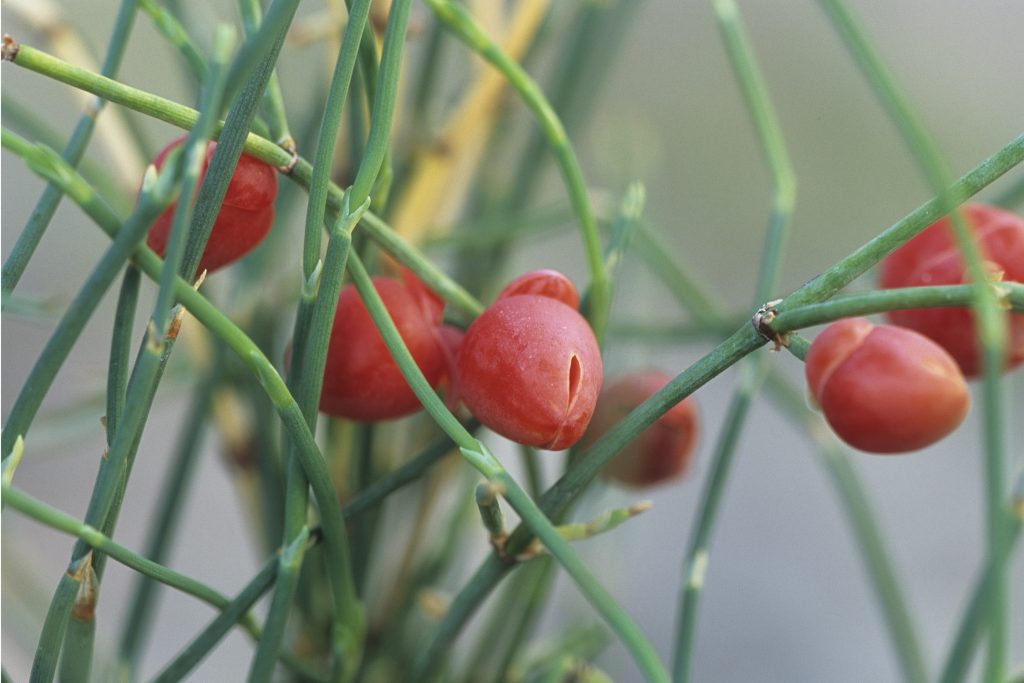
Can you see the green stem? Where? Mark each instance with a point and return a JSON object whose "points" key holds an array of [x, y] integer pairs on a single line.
{"points": [[120, 348], [329, 126], [458, 20], [170, 28], [20, 118], [376, 492], [46, 207], [878, 301], [290, 564], [93, 538], [251, 355], [137, 625], [205, 641], [769, 134], [628, 632], [44, 664], [697, 554], [974, 620], [57, 348], [990, 322], [384, 102], [273, 100]]}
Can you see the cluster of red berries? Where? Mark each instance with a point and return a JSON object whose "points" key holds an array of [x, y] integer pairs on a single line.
{"points": [[530, 368], [901, 387]]}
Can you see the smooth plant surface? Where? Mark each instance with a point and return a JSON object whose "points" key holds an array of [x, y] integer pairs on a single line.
{"points": [[883, 388], [530, 369], [366, 450]]}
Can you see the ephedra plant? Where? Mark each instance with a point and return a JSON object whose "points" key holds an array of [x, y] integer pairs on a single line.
{"points": [[394, 343]]}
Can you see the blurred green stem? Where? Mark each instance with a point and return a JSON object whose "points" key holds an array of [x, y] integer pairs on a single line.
{"points": [[458, 20], [46, 207]]}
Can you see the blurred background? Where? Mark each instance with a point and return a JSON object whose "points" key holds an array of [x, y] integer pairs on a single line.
{"points": [[786, 598]]}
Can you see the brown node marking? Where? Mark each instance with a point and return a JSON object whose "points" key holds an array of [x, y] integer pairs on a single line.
{"points": [[10, 48], [762, 323]]}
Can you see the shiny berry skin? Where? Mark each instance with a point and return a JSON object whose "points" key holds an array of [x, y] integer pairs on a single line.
{"points": [[549, 283], [529, 368], [244, 218], [883, 388], [658, 454], [932, 258], [361, 379]]}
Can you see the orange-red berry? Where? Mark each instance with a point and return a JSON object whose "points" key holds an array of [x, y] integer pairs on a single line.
{"points": [[883, 388]]}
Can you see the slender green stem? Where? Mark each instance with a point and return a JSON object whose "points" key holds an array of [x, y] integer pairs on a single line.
{"points": [[170, 28], [20, 118], [205, 641], [458, 20], [93, 538], [46, 207], [290, 563], [151, 203], [973, 622], [139, 621], [193, 159], [769, 134], [861, 517], [386, 89], [44, 664], [408, 255], [628, 632], [698, 551], [990, 322], [376, 492], [311, 333], [866, 303], [120, 348], [622, 230], [330, 124], [258, 57], [238, 342], [273, 100], [112, 480], [538, 578]]}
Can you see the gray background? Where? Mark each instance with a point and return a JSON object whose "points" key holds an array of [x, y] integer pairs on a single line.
{"points": [[786, 598]]}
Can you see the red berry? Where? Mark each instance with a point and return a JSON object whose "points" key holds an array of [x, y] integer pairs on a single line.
{"points": [[361, 379], [885, 389], [530, 369], [549, 283], [932, 258], [245, 216], [661, 452]]}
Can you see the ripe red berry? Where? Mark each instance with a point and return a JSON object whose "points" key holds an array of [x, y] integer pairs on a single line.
{"points": [[530, 369], [885, 389], [361, 379], [549, 283], [245, 216], [661, 452], [932, 258]]}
